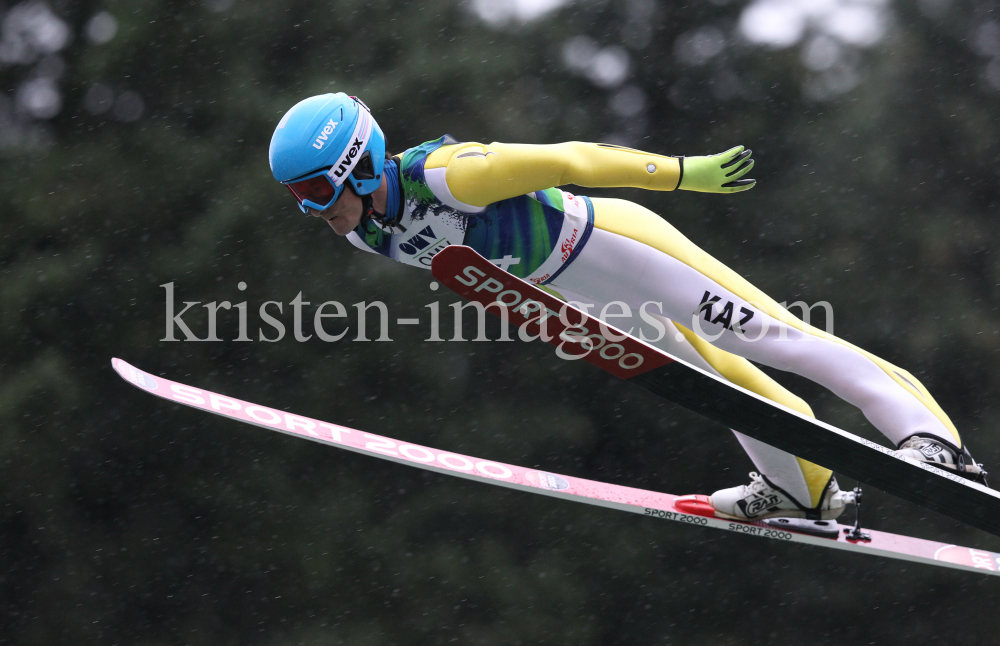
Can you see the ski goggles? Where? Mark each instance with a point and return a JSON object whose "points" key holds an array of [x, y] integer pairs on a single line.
{"points": [[315, 191]]}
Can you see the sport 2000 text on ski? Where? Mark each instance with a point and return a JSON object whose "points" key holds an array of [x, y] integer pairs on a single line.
{"points": [[472, 276]]}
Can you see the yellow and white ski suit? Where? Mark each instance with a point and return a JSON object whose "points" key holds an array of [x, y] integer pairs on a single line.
{"points": [[714, 317]]}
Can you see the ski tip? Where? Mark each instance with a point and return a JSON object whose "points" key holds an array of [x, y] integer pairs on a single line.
{"points": [[696, 505]]}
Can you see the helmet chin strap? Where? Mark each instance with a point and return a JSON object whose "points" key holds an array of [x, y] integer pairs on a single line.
{"points": [[368, 213]]}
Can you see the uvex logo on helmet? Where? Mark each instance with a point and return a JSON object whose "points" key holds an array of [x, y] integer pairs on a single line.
{"points": [[345, 161], [324, 135]]}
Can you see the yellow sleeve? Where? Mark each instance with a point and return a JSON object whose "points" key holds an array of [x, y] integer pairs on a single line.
{"points": [[479, 174]]}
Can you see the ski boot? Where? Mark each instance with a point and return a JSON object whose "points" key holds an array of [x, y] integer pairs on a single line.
{"points": [[936, 452], [760, 499]]}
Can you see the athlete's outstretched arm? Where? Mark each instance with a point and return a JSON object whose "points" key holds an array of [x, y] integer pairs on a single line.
{"points": [[479, 174]]}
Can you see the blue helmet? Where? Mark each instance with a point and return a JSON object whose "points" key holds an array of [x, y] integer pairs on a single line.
{"points": [[323, 143]]}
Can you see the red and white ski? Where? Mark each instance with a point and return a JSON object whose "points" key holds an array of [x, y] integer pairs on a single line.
{"points": [[638, 501], [579, 336]]}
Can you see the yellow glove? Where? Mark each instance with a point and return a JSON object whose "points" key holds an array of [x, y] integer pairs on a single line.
{"points": [[717, 173]]}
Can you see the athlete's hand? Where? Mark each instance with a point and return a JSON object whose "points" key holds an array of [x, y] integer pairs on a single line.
{"points": [[720, 173]]}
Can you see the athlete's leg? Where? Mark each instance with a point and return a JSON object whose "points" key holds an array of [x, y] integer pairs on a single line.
{"points": [[635, 256], [802, 480]]}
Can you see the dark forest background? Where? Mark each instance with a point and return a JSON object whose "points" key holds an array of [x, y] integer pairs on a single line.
{"points": [[133, 144]]}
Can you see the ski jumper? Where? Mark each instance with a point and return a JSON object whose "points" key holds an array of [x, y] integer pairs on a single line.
{"points": [[499, 199]]}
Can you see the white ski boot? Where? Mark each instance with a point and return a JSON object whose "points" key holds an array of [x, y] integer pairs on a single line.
{"points": [[760, 499], [944, 456]]}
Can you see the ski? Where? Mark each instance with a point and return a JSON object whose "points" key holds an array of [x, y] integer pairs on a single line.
{"points": [[638, 501], [579, 336]]}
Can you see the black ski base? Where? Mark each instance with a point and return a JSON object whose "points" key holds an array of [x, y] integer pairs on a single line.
{"points": [[851, 456], [821, 528]]}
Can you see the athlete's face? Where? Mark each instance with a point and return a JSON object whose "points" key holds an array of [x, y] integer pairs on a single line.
{"points": [[344, 215]]}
